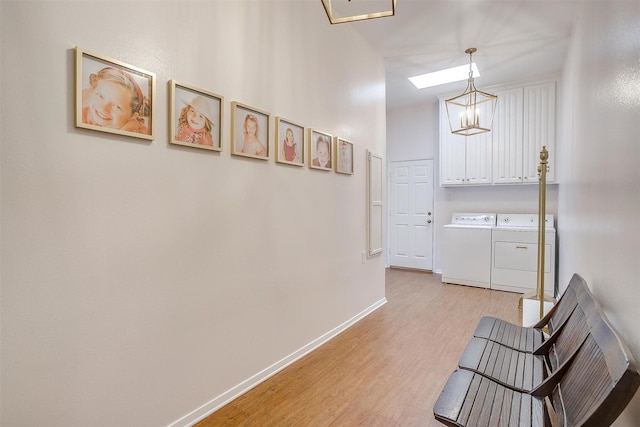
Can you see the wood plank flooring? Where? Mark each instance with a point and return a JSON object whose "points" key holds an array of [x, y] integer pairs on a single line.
{"points": [[386, 370]]}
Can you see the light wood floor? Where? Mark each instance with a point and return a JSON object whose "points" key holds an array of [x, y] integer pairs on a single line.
{"points": [[386, 370]]}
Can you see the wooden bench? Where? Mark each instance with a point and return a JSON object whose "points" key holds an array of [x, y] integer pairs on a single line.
{"points": [[591, 377], [530, 338], [524, 370]]}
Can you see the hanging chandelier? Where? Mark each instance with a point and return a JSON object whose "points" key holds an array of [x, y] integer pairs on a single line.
{"points": [[471, 112], [355, 13]]}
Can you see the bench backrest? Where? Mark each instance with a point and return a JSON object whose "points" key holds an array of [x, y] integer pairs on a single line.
{"points": [[601, 380], [566, 341], [567, 302]]}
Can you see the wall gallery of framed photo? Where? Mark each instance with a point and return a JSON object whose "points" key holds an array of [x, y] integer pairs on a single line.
{"points": [[118, 98]]}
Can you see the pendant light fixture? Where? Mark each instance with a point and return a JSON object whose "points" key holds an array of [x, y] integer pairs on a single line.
{"points": [[472, 112]]}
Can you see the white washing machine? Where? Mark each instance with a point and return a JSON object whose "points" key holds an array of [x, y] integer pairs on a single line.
{"points": [[466, 249], [515, 253]]}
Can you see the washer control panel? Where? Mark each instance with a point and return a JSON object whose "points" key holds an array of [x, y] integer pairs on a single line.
{"points": [[523, 220], [483, 219]]}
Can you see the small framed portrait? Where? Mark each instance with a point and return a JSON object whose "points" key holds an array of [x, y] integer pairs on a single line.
{"points": [[343, 158], [113, 97], [289, 142], [320, 150], [195, 117], [249, 131]]}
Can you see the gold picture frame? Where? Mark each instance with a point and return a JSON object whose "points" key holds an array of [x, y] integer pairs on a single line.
{"points": [[250, 130], [343, 156], [320, 148], [112, 96], [290, 142], [195, 117]]}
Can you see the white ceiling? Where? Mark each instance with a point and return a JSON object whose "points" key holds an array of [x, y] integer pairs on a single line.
{"points": [[516, 40]]}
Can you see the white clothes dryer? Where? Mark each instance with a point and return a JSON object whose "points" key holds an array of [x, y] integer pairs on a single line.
{"points": [[466, 252], [515, 253]]}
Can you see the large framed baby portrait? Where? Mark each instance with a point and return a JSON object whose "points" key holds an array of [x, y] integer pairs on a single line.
{"points": [[289, 142], [320, 150], [113, 97], [195, 117], [249, 131]]}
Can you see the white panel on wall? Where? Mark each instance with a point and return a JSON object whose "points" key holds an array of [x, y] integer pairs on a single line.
{"points": [[375, 180]]}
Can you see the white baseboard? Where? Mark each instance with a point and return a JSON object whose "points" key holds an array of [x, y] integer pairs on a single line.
{"points": [[210, 407]]}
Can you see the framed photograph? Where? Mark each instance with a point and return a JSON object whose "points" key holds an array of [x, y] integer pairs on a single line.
{"points": [[289, 142], [113, 97], [320, 150], [195, 117], [343, 156], [249, 131]]}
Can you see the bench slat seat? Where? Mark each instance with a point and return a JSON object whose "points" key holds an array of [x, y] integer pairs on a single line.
{"points": [[469, 399], [518, 370], [529, 338], [509, 334]]}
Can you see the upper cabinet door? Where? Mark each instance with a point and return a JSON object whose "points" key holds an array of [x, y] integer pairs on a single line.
{"points": [[507, 137], [452, 153], [539, 129]]}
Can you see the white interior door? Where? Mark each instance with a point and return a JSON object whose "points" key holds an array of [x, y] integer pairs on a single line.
{"points": [[411, 214]]}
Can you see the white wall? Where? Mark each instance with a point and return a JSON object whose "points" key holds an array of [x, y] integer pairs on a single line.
{"points": [[412, 133], [141, 280], [599, 196]]}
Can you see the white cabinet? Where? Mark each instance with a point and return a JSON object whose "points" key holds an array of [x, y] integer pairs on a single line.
{"points": [[524, 122], [464, 160]]}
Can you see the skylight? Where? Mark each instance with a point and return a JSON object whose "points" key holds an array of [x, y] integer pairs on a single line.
{"points": [[449, 75]]}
